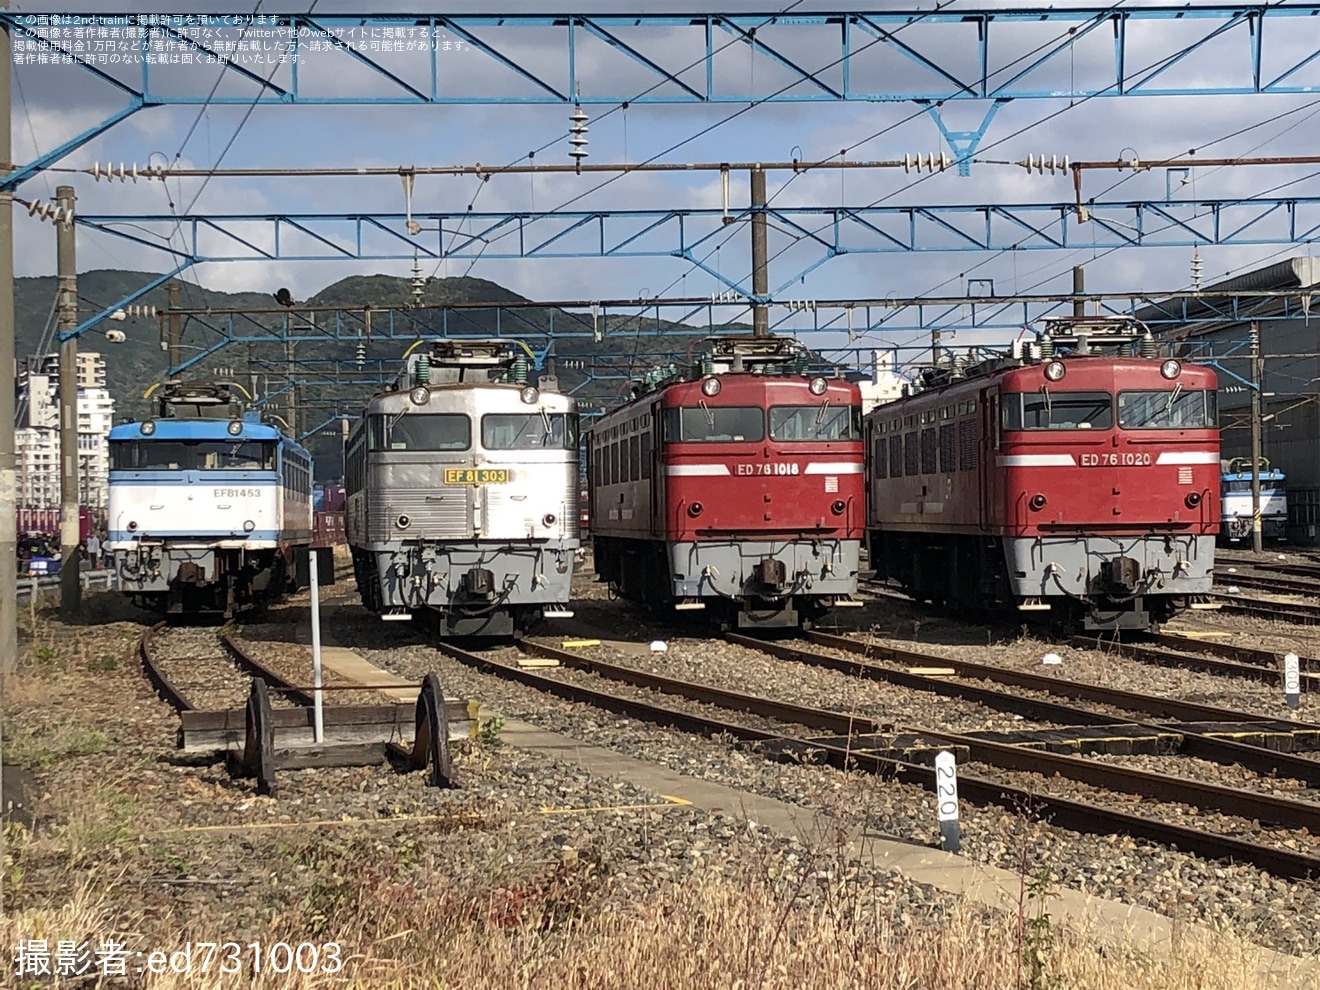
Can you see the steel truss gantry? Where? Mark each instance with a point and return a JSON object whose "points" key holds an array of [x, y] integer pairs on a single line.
{"points": [[865, 325], [691, 234], [930, 57]]}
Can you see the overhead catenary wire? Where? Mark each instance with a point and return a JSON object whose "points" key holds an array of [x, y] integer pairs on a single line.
{"points": [[921, 112]]}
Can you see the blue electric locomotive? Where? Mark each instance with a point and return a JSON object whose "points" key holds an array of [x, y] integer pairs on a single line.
{"points": [[208, 504]]}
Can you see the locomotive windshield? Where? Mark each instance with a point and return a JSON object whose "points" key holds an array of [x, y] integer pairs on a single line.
{"points": [[819, 422], [421, 431], [713, 424], [192, 455], [529, 431], [1050, 410], [1166, 409]]}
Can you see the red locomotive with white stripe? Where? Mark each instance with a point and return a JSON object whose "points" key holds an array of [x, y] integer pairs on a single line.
{"points": [[734, 486], [1078, 477]]}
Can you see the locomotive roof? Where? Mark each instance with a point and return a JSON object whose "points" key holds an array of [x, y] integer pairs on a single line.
{"points": [[201, 429], [1266, 474], [728, 354]]}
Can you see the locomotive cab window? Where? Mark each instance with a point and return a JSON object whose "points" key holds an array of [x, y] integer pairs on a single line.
{"points": [[420, 431], [821, 422], [714, 424], [192, 455], [529, 431], [1166, 409], [246, 456], [1054, 410]]}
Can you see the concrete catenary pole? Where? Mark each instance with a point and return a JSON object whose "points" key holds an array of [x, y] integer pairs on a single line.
{"points": [[8, 495], [1257, 383], [67, 309], [760, 255], [1079, 287]]}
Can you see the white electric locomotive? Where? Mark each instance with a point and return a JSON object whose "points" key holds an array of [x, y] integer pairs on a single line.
{"points": [[1236, 507], [462, 491], [208, 504]]}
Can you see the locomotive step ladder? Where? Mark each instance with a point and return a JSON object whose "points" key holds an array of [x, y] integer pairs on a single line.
{"points": [[260, 740]]}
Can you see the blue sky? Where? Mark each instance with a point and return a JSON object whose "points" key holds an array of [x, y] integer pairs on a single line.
{"points": [[52, 103]]}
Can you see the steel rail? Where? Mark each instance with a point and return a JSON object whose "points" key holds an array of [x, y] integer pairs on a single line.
{"points": [[1130, 700], [1249, 654], [274, 681], [1223, 668], [1195, 743], [1288, 611], [1078, 815], [167, 689], [1006, 755], [1265, 582]]}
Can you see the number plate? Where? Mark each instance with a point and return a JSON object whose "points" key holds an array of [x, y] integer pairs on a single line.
{"points": [[476, 476], [1116, 460]]}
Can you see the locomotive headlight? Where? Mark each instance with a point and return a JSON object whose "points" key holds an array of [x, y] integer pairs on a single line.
{"points": [[695, 509], [249, 526], [529, 394], [548, 519], [838, 507], [711, 386], [1193, 499], [132, 527], [403, 522], [1055, 371], [1171, 369], [147, 428], [420, 396], [235, 428], [818, 386], [1037, 502]]}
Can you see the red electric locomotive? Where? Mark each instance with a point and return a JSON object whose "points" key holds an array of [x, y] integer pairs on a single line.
{"points": [[1079, 477], [735, 486]]}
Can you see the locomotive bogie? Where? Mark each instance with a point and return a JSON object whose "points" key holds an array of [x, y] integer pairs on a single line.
{"points": [[475, 590], [176, 579], [1118, 582], [757, 584]]}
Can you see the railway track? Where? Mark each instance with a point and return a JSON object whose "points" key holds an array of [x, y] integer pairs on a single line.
{"points": [[1170, 650], [847, 748], [1268, 582], [179, 680], [224, 729], [1260, 608]]}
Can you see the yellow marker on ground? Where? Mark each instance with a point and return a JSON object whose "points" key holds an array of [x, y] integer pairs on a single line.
{"points": [[570, 644]]}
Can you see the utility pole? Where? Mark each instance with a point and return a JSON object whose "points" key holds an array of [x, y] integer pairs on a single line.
{"points": [[67, 270], [760, 253], [1079, 288], [1257, 383], [174, 339], [8, 495]]}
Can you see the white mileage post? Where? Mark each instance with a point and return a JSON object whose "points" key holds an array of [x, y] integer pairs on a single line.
{"points": [[1292, 680], [946, 798]]}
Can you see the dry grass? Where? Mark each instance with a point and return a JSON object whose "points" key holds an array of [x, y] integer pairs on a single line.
{"points": [[718, 936]]}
